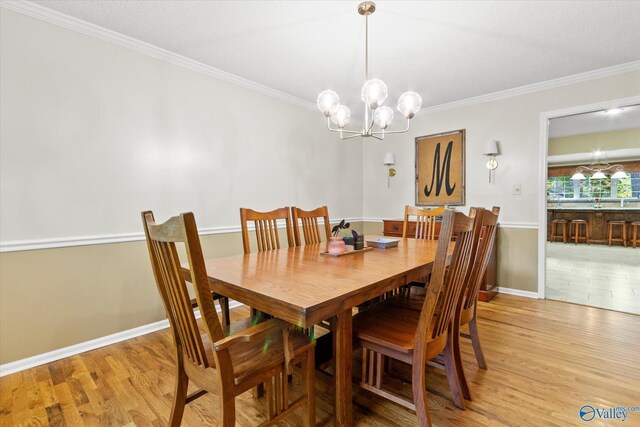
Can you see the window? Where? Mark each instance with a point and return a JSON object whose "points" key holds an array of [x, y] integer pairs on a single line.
{"points": [[562, 187]]}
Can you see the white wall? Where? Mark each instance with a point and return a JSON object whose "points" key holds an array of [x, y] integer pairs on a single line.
{"points": [[514, 121], [93, 133]]}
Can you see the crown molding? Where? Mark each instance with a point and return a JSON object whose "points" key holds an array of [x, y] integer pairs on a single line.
{"points": [[84, 27], [536, 87], [57, 18]]}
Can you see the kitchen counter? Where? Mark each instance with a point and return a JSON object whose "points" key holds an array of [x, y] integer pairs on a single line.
{"points": [[597, 218], [589, 208]]}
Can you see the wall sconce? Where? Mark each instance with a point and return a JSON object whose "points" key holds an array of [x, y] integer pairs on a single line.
{"points": [[390, 160], [491, 150]]}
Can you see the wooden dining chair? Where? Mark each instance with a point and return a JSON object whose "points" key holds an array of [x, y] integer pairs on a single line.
{"points": [[266, 231], [216, 360], [466, 311], [425, 219], [266, 226], [415, 337], [310, 227]]}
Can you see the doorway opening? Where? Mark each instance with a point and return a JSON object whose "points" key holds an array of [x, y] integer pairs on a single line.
{"points": [[592, 207]]}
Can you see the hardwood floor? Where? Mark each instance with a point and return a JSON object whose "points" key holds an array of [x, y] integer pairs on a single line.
{"points": [[546, 360]]}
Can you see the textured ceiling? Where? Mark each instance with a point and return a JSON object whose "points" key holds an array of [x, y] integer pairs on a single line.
{"points": [[446, 51]]}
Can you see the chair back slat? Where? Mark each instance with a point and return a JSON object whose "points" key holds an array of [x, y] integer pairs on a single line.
{"points": [[425, 219], [446, 283], [488, 230], [456, 274], [266, 228], [161, 242], [310, 225]]}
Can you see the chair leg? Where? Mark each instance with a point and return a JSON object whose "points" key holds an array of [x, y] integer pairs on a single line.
{"points": [[179, 395], [308, 370], [419, 388], [270, 401], [227, 408], [224, 306], [475, 341], [452, 372], [462, 379]]}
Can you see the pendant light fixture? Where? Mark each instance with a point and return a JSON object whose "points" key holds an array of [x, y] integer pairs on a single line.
{"points": [[599, 168], [373, 94]]}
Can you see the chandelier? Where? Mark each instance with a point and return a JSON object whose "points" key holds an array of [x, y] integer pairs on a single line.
{"points": [[598, 168], [374, 93]]}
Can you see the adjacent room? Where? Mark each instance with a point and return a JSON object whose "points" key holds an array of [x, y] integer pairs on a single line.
{"points": [[593, 208], [319, 213]]}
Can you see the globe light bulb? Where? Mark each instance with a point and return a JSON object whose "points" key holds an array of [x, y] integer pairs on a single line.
{"points": [[341, 116], [374, 92], [409, 104], [327, 102], [383, 117]]}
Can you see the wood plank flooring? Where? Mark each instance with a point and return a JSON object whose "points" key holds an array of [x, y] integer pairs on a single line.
{"points": [[546, 360]]}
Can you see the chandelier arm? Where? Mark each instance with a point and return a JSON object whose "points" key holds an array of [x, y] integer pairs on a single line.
{"points": [[377, 137], [354, 132], [350, 136], [341, 130], [394, 131]]}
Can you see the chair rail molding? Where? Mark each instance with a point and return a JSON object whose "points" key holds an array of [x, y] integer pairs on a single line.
{"points": [[65, 242]]}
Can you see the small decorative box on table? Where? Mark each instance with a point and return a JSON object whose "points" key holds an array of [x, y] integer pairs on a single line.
{"points": [[382, 242]]}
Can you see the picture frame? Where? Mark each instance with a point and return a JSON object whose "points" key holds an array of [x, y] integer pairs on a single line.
{"points": [[440, 169]]}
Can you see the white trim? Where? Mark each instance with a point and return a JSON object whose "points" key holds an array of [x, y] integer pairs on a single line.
{"points": [[48, 15], [67, 242], [542, 204], [518, 292], [51, 356], [524, 225], [536, 87], [521, 225], [542, 173], [578, 158], [45, 14]]}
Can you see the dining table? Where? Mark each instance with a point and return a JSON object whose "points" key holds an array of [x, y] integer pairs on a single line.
{"points": [[305, 286]]}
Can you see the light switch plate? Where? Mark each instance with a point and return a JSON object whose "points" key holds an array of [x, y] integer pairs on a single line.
{"points": [[517, 189]]}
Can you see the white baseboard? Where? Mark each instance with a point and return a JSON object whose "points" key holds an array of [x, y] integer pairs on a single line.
{"points": [[518, 292], [51, 356]]}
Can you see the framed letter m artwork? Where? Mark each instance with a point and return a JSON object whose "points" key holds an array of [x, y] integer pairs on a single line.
{"points": [[440, 169]]}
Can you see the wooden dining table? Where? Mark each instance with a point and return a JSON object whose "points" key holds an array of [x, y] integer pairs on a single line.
{"points": [[303, 287]]}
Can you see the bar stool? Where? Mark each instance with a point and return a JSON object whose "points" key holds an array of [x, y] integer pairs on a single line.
{"points": [[634, 233], [616, 223], [554, 229], [578, 223]]}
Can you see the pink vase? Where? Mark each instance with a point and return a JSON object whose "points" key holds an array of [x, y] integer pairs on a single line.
{"points": [[336, 246]]}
